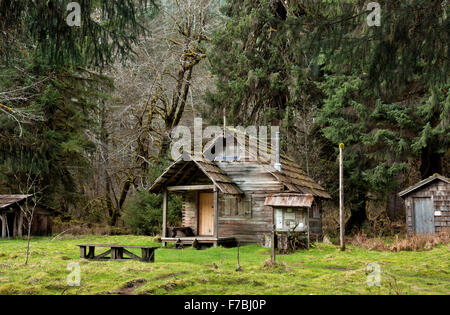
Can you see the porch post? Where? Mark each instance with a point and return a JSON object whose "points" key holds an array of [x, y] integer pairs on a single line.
{"points": [[14, 232], [165, 208], [20, 225], [216, 215], [4, 225]]}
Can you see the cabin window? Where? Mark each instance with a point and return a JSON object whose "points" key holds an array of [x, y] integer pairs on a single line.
{"points": [[236, 206]]}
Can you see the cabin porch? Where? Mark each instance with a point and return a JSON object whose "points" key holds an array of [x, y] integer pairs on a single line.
{"points": [[200, 224], [200, 240], [198, 183]]}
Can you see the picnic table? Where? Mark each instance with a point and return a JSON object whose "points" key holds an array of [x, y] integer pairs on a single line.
{"points": [[117, 252]]}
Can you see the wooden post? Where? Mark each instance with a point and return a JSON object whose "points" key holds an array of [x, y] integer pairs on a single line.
{"points": [[165, 209], [15, 229], [308, 244], [20, 225], [148, 255], [91, 253], [341, 196], [8, 233], [274, 239], [151, 255], [216, 216], [4, 225], [83, 252], [238, 257]]}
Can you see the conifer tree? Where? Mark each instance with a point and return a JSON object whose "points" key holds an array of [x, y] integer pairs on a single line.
{"points": [[387, 96], [108, 29], [51, 88], [382, 90]]}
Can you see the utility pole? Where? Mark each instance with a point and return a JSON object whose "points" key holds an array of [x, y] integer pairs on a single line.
{"points": [[224, 122], [341, 196], [273, 241], [273, 247]]}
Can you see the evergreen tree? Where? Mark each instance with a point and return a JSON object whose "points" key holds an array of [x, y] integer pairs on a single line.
{"points": [[383, 91], [252, 79], [263, 75], [50, 94], [387, 95], [55, 146], [108, 30]]}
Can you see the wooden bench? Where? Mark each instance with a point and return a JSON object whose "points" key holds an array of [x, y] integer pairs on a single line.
{"points": [[117, 252]]}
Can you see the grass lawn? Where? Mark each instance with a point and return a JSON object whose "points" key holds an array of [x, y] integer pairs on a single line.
{"points": [[322, 270]]}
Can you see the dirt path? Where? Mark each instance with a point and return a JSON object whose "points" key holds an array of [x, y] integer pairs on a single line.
{"points": [[131, 286]]}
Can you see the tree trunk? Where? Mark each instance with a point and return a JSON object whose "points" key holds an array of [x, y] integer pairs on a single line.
{"points": [[117, 212], [28, 244], [109, 203], [30, 225]]}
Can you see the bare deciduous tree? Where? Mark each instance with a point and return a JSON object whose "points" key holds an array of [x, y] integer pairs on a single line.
{"points": [[153, 94], [16, 98], [28, 208]]}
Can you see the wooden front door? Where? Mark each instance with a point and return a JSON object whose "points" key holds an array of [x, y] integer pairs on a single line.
{"points": [[206, 214], [424, 215]]}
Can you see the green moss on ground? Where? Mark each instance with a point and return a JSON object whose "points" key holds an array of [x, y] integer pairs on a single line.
{"points": [[322, 270]]}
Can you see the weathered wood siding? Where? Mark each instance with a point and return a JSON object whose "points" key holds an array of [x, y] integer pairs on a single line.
{"points": [[248, 229], [256, 182], [189, 210], [440, 192]]}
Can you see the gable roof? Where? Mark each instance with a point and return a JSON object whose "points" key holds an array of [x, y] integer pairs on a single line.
{"points": [[9, 200], [177, 170], [291, 176], [421, 184]]}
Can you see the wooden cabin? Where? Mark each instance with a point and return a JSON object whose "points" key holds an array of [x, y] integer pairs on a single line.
{"points": [[427, 206], [13, 222], [226, 199]]}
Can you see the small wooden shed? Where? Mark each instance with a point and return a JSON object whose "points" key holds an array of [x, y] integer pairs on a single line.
{"points": [[12, 218], [292, 214], [225, 199], [428, 206]]}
